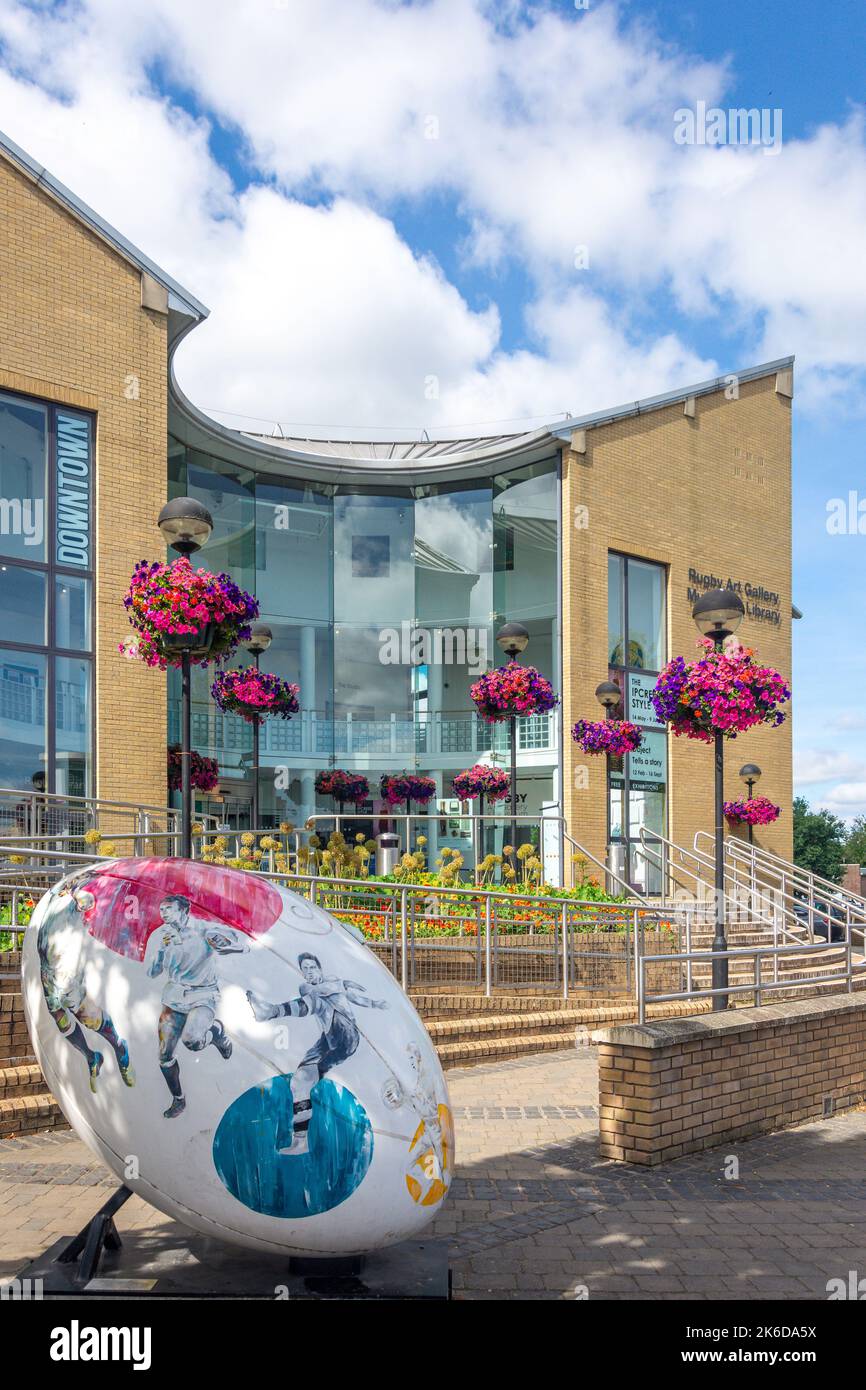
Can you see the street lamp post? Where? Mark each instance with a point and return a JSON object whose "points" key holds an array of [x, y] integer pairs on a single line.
{"points": [[258, 641], [750, 773], [513, 639], [186, 526], [717, 614]]}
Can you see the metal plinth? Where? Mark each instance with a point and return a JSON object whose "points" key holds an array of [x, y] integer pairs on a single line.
{"points": [[176, 1262]]}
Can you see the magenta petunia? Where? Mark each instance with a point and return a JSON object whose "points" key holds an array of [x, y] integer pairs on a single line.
{"points": [[342, 785], [755, 810], [406, 786], [512, 691], [163, 599], [204, 772], [482, 780], [615, 737], [723, 692], [254, 695]]}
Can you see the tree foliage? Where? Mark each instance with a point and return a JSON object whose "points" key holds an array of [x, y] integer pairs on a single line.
{"points": [[819, 840]]}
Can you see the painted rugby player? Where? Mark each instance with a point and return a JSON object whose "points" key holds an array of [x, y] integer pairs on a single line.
{"points": [[188, 954], [329, 1001]]}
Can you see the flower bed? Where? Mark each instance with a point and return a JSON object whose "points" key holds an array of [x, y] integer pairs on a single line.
{"points": [[615, 737], [482, 780], [755, 810], [165, 600], [342, 785], [204, 772], [406, 786], [512, 691], [723, 692], [255, 695]]}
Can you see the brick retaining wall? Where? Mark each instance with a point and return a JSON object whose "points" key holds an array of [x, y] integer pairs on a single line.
{"points": [[677, 1086]]}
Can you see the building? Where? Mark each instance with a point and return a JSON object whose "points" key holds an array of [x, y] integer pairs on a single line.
{"points": [[384, 570]]}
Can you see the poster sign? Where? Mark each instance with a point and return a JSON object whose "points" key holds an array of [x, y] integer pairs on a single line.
{"points": [[640, 706], [648, 766]]}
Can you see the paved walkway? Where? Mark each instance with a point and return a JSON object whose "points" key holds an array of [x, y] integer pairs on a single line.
{"points": [[533, 1213]]}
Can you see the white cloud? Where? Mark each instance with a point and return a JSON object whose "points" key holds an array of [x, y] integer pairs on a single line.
{"points": [[549, 132], [812, 765]]}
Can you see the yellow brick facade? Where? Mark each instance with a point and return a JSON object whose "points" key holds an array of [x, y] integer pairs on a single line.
{"points": [[713, 493], [73, 331]]}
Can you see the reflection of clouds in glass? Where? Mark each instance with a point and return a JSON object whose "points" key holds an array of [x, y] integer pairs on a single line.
{"points": [[463, 532], [360, 678]]}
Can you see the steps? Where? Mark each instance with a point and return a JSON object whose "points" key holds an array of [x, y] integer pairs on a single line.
{"points": [[470, 1028], [26, 1104]]}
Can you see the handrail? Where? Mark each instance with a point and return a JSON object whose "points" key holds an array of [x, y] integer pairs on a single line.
{"points": [[585, 853], [795, 887], [758, 985], [757, 853], [790, 930]]}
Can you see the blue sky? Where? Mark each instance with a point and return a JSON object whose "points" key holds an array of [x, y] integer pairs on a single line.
{"points": [[373, 195]]}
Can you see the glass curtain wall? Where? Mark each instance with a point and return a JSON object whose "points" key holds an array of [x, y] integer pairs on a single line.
{"points": [[383, 602]]}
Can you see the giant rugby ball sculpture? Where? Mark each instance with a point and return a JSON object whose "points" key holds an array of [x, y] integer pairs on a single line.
{"points": [[237, 1057]]}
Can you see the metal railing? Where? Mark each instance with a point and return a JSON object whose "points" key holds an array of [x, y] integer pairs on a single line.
{"points": [[816, 904], [845, 977], [405, 733], [464, 938], [28, 814], [761, 906]]}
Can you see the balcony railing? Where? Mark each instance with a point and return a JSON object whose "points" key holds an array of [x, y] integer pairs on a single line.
{"points": [[315, 733]]}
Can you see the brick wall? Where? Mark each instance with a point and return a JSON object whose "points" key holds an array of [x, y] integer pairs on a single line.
{"points": [[682, 492], [73, 331], [673, 1088]]}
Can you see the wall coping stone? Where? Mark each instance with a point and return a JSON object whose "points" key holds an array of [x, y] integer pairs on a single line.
{"points": [[729, 1023]]}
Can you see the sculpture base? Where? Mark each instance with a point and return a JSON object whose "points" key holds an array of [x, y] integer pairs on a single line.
{"points": [[173, 1261]]}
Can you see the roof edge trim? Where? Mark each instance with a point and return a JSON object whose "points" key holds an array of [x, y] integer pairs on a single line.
{"points": [[565, 428]]}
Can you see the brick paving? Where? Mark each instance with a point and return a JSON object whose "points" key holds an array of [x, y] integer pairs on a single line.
{"points": [[535, 1213]]}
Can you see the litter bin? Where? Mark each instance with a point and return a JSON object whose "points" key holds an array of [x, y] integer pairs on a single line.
{"points": [[617, 863], [387, 852]]}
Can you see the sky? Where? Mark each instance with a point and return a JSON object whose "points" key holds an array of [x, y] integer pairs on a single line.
{"points": [[477, 216]]}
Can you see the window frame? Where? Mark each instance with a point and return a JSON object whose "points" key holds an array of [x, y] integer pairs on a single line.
{"points": [[624, 672], [52, 570]]}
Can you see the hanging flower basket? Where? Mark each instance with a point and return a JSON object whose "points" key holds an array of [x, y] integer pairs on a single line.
{"points": [[342, 786], [723, 692], [204, 772], [613, 736], [169, 603], [406, 786], [512, 691], [255, 695], [482, 780], [755, 810]]}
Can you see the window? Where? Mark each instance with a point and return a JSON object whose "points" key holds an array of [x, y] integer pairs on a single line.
{"points": [[371, 557], [637, 784], [46, 596]]}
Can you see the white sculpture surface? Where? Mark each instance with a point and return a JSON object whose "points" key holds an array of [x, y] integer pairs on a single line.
{"points": [[237, 1057]]}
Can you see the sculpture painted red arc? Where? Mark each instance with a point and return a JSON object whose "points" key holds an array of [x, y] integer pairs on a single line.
{"points": [[128, 893]]}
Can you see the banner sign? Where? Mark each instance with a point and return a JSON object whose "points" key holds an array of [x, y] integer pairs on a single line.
{"points": [[74, 474]]}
